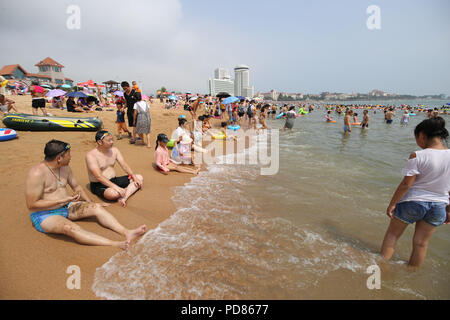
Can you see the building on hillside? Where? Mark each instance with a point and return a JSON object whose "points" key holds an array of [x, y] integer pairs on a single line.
{"points": [[50, 72], [377, 93]]}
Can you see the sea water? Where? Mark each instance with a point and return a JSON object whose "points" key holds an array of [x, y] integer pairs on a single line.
{"points": [[311, 231]]}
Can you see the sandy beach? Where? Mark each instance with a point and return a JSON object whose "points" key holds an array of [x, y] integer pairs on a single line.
{"points": [[33, 265]]}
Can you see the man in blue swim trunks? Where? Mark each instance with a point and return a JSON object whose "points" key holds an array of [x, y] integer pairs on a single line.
{"points": [[389, 115], [347, 121], [54, 210]]}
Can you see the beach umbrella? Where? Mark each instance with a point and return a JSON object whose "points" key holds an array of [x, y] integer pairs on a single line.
{"points": [[118, 93], [173, 97], [193, 99], [230, 100], [77, 94], [46, 86], [55, 93], [240, 97], [223, 95], [66, 86]]}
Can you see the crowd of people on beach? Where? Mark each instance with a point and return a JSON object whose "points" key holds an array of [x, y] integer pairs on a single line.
{"points": [[422, 198]]}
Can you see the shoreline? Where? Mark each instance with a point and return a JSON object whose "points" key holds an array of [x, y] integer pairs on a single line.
{"points": [[34, 265]]}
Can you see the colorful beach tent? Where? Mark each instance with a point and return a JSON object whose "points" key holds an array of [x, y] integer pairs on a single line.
{"points": [[89, 84]]}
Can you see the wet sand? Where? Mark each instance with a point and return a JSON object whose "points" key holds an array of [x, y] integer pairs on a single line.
{"points": [[33, 265]]}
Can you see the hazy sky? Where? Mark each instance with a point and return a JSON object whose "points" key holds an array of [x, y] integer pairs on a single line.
{"points": [[293, 46]]}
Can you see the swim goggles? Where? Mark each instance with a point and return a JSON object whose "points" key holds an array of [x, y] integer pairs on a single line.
{"points": [[105, 135], [66, 148]]}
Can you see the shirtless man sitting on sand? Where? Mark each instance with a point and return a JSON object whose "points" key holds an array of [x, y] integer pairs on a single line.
{"points": [[54, 209], [100, 164]]}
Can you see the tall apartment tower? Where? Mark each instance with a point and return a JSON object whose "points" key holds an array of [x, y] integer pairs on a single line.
{"points": [[221, 73], [242, 82], [221, 82]]}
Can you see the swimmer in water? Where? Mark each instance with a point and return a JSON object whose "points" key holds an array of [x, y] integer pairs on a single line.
{"points": [[347, 120], [405, 119], [365, 121]]}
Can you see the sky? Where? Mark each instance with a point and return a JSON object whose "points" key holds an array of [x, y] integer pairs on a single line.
{"points": [[290, 46]]}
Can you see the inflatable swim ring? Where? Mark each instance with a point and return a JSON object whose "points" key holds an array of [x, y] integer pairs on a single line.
{"points": [[236, 127], [7, 134], [219, 137], [170, 143], [356, 123], [331, 121], [412, 114], [280, 115], [3, 83]]}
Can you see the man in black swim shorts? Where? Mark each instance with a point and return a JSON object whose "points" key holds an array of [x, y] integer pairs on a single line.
{"points": [[100, 164]]}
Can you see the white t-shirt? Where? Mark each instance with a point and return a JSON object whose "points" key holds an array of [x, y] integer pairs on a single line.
{"points": [[141, 106], [432, 183], [179, 132]]}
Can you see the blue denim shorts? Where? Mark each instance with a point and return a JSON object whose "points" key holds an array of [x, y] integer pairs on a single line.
{"points": [[433, 213]]}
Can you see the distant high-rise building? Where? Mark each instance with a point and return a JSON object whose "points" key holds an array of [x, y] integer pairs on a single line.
{"points": [[222, 73], [221, 82], [241, 82], [220, 85]]}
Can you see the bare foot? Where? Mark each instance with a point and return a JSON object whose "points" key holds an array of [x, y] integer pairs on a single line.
{"points": [[122, 202], [124, 245], [133, 234]]}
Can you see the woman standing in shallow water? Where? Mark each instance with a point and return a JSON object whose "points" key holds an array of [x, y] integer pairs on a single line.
{"points": [[423, 195]]}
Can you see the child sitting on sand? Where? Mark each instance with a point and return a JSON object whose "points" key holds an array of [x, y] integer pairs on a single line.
{"points": [[206, 125], [162, 160], [224, 132]]}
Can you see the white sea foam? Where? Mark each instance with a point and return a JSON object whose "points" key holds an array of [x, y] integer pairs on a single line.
{"points": [[224, 243]]}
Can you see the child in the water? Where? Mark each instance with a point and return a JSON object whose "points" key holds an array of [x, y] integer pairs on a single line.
{"points": [[405, 118]]}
